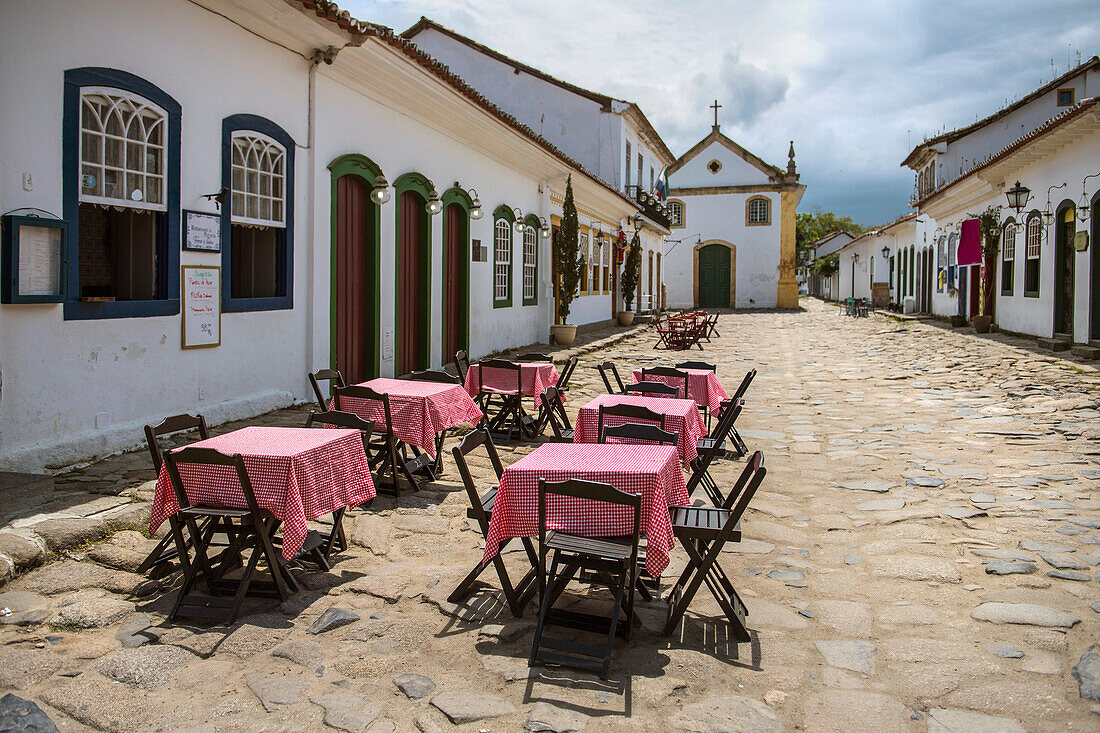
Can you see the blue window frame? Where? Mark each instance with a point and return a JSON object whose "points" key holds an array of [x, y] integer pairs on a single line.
{"points": [[283, 297], [951, 254], [167, 238]]}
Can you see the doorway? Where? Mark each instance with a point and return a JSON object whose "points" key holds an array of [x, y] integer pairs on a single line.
{"points": [[456, 280], [413, 287], [713, 276], [1094, 290], [1064, 266]]}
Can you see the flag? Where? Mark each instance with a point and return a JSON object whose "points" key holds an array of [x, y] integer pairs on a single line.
{"points": [[661, 188]]}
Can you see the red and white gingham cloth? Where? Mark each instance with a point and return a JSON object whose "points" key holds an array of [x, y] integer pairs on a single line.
{"points": [[297, 474], [420, 410], [681, 417], [535, 377], [650, 470], [703, 386]]}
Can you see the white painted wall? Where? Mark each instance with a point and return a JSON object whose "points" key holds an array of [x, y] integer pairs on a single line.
{"points": [[734, 171]]}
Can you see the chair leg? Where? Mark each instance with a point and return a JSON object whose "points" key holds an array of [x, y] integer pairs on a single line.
{"points": [[544, 608]]}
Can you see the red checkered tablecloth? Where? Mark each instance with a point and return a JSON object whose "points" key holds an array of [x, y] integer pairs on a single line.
{"points": [[297, 474], [703, 386], [650, 470], [681, 417], [420, 410], [535, 376]]}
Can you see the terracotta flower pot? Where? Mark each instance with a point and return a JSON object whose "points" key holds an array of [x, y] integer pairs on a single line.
{"points": [[957, 321], [563, 334], [982, 323], [626, 318]]}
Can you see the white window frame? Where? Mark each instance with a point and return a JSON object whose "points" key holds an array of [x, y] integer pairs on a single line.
{"points": [[1034, 239], [272, 167], [502, 260], [759, 205], [584, 253], [530, 262], [118, 98], [676, 213], [1008, 252]]}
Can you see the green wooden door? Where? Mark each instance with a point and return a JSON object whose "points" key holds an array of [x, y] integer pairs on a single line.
{"points": [[714, 276]]}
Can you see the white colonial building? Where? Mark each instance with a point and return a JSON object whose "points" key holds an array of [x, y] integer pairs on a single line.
{"points": [[825, 286], [866, 264], [206, 199], [734, 215]]}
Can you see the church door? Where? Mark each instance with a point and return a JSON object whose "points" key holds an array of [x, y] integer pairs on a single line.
{"points": [[411, 284], [714, 276], [1065, 255], [455, 280], [355, 319]]}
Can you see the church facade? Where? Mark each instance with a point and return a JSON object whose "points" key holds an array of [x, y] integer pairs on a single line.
{"points": [[733, 224]]}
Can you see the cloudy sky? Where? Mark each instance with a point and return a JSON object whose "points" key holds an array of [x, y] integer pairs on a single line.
{"points": [[856, 83]]}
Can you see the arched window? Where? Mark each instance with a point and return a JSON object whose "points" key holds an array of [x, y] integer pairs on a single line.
{"points": [[123, 138], [758, 211], [502, 257], [259, 172], [676, 213], [530, 263], [1031, 255], [1008, 257]]}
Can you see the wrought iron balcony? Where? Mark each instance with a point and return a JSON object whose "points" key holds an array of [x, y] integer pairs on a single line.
{"points": [[652, 209]]}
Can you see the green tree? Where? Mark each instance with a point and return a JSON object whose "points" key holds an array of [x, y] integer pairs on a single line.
{"points": [[811, 226], [632, 270], [566, 254]]}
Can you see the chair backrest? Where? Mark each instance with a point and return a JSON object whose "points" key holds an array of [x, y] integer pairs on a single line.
{"points": [[555, 411], [567, 372], [654, 389], [343, 420], [628, 413], [320, 375], [666, 375], [744, 386], [464, 448], [754, 464], [462, 364], [592, 491], [727, 404], [609, 367], [500, 365], [172, 424], [533, 356], [207, 457], [359, 392], [632, 432], [434, 375], [697, 365], [703, 460]]}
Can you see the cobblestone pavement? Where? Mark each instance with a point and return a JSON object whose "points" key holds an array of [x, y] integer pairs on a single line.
{"points": [[922, 556]]}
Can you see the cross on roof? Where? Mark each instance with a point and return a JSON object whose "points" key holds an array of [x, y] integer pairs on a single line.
{"points": [[715, 107]]}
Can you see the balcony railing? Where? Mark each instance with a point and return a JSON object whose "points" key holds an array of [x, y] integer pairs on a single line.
{"points": [[652, 209]]}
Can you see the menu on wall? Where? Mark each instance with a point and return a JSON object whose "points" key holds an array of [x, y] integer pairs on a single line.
{"points": [[202, 307], [39, 260], [202, 231]]}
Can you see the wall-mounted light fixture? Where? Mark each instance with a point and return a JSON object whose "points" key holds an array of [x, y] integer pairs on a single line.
{"points": [[218, 198], [855, 257], [544, 230], [1084, 206], [435, 204], [475, 205], [380, 191], [1048, 212], [519, 224], [885, 253], [1017, 197]]}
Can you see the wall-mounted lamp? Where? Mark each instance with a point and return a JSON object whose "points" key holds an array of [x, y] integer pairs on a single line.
{"points": [[855, 257], [475, 205], [544, 230], [380, 191], [885, 253], [1084, 206], [435, 204], [218, 198], [1017, 197], [1048, 213], [519, 224]]}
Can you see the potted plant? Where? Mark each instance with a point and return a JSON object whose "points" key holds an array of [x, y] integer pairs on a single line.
{"points": [[567, 265], [989, 224], [631, 272]]}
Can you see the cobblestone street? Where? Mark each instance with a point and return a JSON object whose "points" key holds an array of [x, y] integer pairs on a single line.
{"points": [[922, 556]]}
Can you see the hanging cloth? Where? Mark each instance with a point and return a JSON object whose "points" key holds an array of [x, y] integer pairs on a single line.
{"points": [[970, 244]]}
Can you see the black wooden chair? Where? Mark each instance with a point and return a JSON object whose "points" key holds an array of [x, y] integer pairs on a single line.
{"points": [[442, 377], [613, 560], [739, 394], [697, 365], [720, 438], [678, 378], [387, 453], [532, 356], [510, 419], [336, 538], [637, 433], [250, 530], [165, 552], [322, 375], [700, 465], [462, 364], [566, 374], [703, 532], [609, 415], [608, 368], [555, 415], [652, 389], [481, 511]]}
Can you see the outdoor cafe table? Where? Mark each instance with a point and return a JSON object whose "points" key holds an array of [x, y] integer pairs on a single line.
{"points": [[420, 410], [534, 377], [703, 386], [298, 474], [681, 417], [650, 470]]}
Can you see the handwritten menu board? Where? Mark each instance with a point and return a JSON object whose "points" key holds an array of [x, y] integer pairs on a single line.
{"points": [[202, 307]]}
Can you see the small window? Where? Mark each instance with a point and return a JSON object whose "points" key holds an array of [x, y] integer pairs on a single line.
{"points": [[651, 178], [758, 211], [714, 166], [626, 181], [676, 213], [605, 251], [1066, 97], [530, 265], [595, 263], [502, 262], [1008, 257], [1031, 256]]}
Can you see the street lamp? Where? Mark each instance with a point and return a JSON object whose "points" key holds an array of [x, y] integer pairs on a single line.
{"points": [[1017, 197]]}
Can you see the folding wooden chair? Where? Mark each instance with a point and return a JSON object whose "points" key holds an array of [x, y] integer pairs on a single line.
{"points": [[697, 365], [626, 413], [703, 532], [664, 333], [632, 432], [336, 538], [614, 561], [331, 375], [481, 511], [712, 326], [533, 356], [653, 389], [442, 377], [566, 374], [249, 530], [556, 416], [165, 551], [510, 414], [387, 453], [678, 378], [700, 473], [719, 439], [609, 367], [739, 395], [462, 364]]}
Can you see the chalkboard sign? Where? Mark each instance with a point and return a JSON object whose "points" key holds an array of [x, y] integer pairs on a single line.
{"points": [[202, 231], [202, 307]]}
